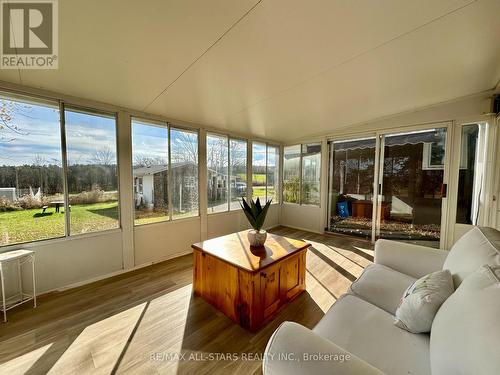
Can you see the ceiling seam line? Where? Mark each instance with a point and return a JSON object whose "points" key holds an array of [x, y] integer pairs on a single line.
{"points": [[204, 53], [333, 67]]}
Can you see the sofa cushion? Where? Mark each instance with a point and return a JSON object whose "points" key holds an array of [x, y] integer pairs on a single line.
{"points": [[422, 300], [382, 286], [465, 335], [368, 332], [477, 247]]}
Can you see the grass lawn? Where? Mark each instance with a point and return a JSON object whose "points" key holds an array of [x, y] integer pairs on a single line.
{"points": [[257, 178], [259, 191], [149, 217], [32, 225]]}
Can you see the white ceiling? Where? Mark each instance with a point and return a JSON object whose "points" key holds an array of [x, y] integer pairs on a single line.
{"points": [[281, 69]]}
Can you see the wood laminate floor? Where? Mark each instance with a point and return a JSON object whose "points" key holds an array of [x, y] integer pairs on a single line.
{"points": [[148, 322]]}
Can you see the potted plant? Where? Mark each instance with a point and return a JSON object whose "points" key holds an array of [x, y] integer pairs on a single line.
{"points": [[256, 214]]}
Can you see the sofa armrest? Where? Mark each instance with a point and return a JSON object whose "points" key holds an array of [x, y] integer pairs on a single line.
{"points": [[410, 259], [294, 349]]}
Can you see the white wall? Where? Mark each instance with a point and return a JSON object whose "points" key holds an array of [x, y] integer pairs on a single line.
{"points": [[70, 261], [159, 241], [302, 217]]}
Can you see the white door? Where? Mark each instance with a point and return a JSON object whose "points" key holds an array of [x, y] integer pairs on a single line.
{"points": [[411, 184], [468, 179]]}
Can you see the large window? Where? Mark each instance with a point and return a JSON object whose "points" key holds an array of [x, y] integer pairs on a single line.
{"points": [[54, 183], [237, 172], [31, 178], [165, 187], [217, 173], [92, 171], [184, 173], [150, 171], [291, 174], [301, 174], [311, 172], [273, 175], [259, 171], [226, 172], [265, 172]]}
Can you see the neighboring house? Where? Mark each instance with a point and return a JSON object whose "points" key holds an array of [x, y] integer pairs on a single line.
{"points": [[151, 191], [144, 184], [218, 184]]}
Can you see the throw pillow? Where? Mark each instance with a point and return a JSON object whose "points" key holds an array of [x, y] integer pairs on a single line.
{"points": [[422, 300]]}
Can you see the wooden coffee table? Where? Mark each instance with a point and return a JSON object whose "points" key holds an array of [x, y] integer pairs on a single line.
{"points": [[249, 285]]}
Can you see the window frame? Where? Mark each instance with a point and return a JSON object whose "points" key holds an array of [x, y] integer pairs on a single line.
{"points": [[301, 177], [168, 126], [279, 193], [228, 138], [169, 185], [63, 106], [278, 162], [92, 111], [149, 122]]}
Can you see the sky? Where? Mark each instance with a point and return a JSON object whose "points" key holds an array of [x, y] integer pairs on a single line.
{"points": [[39, 136], [151, 141]]}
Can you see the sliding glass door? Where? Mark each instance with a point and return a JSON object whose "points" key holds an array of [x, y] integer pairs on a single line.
{"points": [[411, 175], [350, 182], [406, 171]]}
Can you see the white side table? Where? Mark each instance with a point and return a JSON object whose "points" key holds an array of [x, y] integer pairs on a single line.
{"points": [[21, 256]]}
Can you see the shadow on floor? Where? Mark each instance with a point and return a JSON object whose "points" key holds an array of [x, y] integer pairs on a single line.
{"points": [[210, 333]]}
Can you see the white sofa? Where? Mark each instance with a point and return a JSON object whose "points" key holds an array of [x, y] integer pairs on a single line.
{"points": [[465, 340]]}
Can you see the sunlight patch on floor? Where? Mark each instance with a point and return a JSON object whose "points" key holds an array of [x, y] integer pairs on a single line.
{"points": [[25, 362], [160, 335], [99, 346], [319, 293], [337, 258]]}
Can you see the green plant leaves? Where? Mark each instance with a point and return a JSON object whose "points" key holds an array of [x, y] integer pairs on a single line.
{"points": [[255, 213]]}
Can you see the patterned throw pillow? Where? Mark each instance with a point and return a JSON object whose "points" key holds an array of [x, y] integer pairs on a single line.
{"points": [[422, 300]]}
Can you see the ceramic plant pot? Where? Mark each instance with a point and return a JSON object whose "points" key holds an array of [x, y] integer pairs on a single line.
{"points": [[256, 237]]}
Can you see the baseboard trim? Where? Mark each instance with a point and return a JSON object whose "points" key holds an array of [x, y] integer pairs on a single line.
{"points": [[116, 273], [300, 228]]}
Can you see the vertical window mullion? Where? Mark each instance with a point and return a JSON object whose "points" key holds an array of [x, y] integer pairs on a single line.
{"points": [[228, 174], [265, 180], [169, 176], [67, 212], [300, 175]]}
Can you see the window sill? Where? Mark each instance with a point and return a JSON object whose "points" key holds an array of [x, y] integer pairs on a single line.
{"points": [[49, 241], [166, 222]]}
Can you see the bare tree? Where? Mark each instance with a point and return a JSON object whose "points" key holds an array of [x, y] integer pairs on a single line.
{"points": [[104, 156], [238, 153], [217, 154], [39, 160], [184, 148], [8, 127], [147, 161]]}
